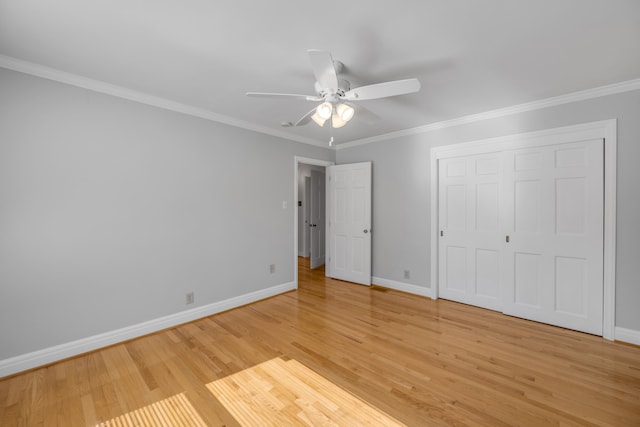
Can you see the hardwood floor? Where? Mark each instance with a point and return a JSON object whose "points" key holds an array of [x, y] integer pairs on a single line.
{"points": [[413, 360]]}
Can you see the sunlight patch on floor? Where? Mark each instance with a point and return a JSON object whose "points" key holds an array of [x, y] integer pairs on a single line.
{"points": [[172, 411], [279, 392]]}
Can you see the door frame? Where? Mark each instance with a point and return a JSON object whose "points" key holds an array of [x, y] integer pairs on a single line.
{"points": [[605, 129], [297, 161]]}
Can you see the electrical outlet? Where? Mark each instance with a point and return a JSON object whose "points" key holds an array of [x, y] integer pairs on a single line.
{"points": [[189, 298], [407, 274], [272, 268]]}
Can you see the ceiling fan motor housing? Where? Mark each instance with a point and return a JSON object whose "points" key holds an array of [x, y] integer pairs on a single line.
{"points": [[343, 87]]}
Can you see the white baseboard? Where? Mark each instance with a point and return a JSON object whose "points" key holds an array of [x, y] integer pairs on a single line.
{"points": [[53, 354], [627, 335], [404, 287]]}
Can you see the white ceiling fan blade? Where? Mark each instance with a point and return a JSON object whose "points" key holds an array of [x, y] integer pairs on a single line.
{"points": [[383, 90], [306, 118], [284, 95], [323, 69]]}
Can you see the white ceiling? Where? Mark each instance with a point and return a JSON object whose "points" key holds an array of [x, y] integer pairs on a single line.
{"points": [[470, 56]]}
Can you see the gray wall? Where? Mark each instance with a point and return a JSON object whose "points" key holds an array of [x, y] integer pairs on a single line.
{"points": [[110, 211], [401, 173]]}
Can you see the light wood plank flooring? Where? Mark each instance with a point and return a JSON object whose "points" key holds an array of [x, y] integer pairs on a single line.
{"points": [[416, 361]]}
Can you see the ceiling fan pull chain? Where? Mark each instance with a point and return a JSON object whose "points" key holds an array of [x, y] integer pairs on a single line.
{"points": [[330, 133]]}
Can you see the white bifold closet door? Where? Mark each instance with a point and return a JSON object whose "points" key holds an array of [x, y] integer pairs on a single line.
{"points": [[471, 238], [522, 233], [554, 261]]}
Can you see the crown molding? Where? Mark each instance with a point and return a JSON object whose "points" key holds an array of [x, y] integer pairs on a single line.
{"points": [[167, 104], [597, 92], [143, 98]]}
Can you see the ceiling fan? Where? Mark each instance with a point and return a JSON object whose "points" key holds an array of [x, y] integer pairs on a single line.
{"points": [[333, 92]]}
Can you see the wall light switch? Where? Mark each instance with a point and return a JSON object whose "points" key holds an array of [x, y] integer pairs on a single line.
{"points": [[284, 204]]}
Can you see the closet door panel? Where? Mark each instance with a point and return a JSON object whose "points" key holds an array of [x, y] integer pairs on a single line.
{"points": [[553, 269], [469, 241]]}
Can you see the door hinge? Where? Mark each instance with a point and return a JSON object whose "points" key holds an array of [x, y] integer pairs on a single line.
{"points": [[441, 233], [507, 239]]}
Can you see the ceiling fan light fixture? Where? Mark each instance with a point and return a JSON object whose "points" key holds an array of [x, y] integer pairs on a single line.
{"points": [[324, 110], [345, 112], [319, 120], [337, 122]]}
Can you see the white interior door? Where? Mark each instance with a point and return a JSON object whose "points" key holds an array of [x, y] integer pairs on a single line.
{"points": [[470, 237], [554, 217], [317, 219], [349, 222]]}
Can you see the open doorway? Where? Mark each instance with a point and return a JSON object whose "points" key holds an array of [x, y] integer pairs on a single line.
{"points": [[309, 220], [311, 214]]}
